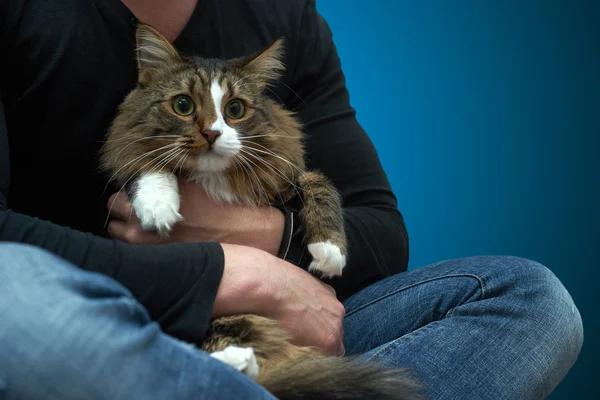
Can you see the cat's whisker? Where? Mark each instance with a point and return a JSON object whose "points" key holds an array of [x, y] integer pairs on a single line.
{"points": [[248, 151], [278, 173], [242, 165], [273, 185], [237, 82], [179, 154], [258, 181], [158, 168], [292, 90], [271, 153], [265, 135], [164, 160], [121, 139], [266, 87], [168, 158], [137, 159], [138, 140], [273, 169], [157, 160], [269, 78], [181, 162], [178, 162], [279, 194], [265, 77], [275, 94], [297, 189]]}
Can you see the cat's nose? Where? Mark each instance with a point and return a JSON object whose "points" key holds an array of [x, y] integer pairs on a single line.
{"points": [[211, 136]]}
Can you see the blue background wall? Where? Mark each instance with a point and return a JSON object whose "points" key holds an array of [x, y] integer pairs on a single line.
{"points": [[493, 134]]}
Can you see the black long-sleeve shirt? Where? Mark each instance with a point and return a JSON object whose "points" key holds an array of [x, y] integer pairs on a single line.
{"points": [[65, 65]]}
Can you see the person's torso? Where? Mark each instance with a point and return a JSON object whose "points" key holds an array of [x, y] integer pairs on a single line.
{"points": [[67, 64]]}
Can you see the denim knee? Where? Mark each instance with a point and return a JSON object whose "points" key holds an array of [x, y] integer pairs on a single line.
{"points": [[20, 261], [555, 312]]}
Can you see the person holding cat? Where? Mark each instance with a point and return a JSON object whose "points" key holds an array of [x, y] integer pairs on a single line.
{"points": [[90, 316]]}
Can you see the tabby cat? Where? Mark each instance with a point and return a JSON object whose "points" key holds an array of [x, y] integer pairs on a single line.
{"points": [[211, 121]]}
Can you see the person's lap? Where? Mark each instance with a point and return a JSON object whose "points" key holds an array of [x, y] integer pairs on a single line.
{"points": [[70, 334], [472, 328]]}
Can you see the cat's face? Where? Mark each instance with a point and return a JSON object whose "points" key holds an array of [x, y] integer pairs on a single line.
{"points": [[198, 114]]}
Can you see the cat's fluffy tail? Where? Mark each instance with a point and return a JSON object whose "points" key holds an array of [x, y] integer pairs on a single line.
{"points": [[333, 378]]}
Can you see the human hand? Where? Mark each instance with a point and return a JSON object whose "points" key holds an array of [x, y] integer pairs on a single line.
{"points": [[258, 283], [204, 221]]}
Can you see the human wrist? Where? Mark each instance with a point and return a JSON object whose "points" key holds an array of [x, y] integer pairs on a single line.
{"points": [[244, 286], [262, 228]]}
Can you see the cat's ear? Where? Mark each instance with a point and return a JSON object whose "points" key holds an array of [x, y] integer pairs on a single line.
{"points": [[267, 64], [153, 51]]}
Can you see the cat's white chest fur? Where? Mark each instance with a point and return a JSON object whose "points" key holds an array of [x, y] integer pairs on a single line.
{"points": [[216, 186]]}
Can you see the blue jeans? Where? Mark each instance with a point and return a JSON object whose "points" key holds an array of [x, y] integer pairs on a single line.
{"points": [[477, 328], [474, 328]]}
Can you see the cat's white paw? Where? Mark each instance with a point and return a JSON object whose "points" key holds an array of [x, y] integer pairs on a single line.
{"points": [[327, 259], [156, 202], [157, 215], [240, 358]]}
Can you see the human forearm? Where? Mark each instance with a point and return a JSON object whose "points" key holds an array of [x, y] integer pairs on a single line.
{"points": [[244, 286], [204, 221], [176, 283], [256, 282], [259, 227]]}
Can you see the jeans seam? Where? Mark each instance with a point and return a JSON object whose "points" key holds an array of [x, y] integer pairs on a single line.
{"points": [[408, 336], [482, 295], [479, 279]]}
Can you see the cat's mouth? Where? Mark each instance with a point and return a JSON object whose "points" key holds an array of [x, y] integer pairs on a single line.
{"points": [[205, 142], [212, 151], [202, 149], [212, 161], [197, 147]]}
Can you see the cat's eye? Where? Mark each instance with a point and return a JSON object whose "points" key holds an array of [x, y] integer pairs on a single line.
{"points": [[183, 105], [235, 109]]}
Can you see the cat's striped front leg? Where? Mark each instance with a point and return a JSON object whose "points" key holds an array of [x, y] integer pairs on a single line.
{"points": [[323, 225]]}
